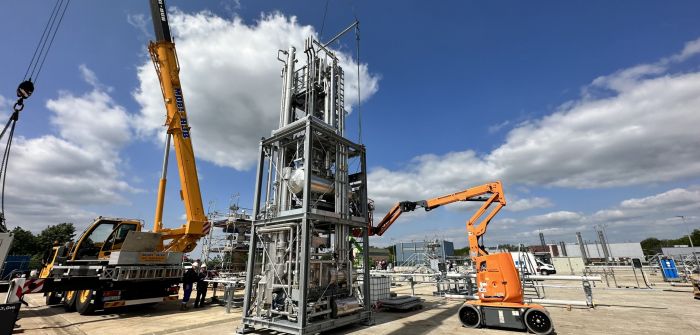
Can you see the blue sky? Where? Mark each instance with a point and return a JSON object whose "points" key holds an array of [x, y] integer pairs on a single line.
{"points": [[585, 110]]}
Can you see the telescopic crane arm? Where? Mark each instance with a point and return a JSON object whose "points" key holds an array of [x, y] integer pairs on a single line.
{"points": [[164, 58], [491, 194]]}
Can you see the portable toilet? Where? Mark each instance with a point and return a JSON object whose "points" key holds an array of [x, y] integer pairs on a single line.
{"points": [[669, 269]]}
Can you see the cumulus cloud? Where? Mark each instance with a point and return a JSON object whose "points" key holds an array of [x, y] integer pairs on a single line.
{"points": [[231, 82], [525, 204], [53, 178], [643, 133], [631, 220]]}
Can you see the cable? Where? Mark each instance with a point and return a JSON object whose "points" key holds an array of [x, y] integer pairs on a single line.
{"points": [[46, 40], [41, 66], [46, 27], [359, 97], [25, 90], [323, 22]]}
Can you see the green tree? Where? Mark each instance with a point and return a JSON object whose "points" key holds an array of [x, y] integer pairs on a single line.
{"points": [[462, 252], [651, 246], [509, 247], [24, 243], [62, 232], [392, 257]]}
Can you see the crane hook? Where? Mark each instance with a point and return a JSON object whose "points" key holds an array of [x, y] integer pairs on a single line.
{"points": [[24, 91]]}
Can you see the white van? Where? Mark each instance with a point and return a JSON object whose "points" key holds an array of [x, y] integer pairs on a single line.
{"points": [[544, 268], [526, 261]]}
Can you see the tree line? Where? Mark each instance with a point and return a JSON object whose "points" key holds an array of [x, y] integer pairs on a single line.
{"points": [[652, 246], [25, 243]]}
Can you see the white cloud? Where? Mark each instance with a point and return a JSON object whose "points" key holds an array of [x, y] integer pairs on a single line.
{"points": [[676, 199], [645, 133], [140, 22], [231, 82], [525, 204], [52, 179]]}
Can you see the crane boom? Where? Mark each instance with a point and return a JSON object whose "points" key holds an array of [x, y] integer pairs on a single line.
{"points": [[165, 60]]}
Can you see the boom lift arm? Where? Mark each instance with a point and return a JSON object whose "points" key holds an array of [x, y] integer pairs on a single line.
{"points": [[490, 194], [164, 58], [499, 290]]}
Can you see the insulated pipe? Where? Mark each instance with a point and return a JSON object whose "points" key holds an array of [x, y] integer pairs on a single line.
{"points": [[289, 81], [268, 188], [274, 230], [284, 92], [331, 95]]}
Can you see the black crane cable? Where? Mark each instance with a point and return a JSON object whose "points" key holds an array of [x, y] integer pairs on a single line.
{"points": [[25, 90]]}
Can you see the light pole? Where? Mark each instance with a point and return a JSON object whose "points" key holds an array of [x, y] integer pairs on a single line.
{"points": [[692, 247]]}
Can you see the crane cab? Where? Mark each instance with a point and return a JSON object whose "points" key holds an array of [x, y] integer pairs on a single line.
{"points": [[96, 243]]}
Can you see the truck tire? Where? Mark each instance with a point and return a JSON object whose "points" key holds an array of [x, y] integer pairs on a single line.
{"points": [[69, 301], [84, 303], [52, 299]]}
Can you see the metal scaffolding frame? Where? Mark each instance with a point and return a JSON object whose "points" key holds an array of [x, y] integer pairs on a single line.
{"points": [[310, 204]]}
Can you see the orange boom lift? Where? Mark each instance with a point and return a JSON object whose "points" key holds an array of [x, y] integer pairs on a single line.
{"points": [[500, 294]]}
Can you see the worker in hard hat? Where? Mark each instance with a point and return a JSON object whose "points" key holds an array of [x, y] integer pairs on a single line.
{"points": [[202, 284], [188, 280]]}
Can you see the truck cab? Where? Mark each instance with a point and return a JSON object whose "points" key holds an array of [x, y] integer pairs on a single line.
{"points": [[94, 245]]}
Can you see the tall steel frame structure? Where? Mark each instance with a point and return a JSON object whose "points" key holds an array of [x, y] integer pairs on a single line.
{"points": [[310, 200]]}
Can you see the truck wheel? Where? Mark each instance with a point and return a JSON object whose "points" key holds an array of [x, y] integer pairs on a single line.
{"points": [[52, 299], [69, 301], [544, 272], [84, 303]]}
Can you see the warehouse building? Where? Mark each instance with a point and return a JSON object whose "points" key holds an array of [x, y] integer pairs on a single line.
{"points": [[594, 250], [413, 253]]}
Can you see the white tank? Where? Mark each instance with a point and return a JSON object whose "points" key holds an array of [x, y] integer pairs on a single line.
{"points": [[318, 184]]}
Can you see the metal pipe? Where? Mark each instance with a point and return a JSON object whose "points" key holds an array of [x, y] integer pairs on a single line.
{"points": [[562, 277], [287, 227], [353, 25], [158, 221], [332, 95], [559, 302], [289, 81]]}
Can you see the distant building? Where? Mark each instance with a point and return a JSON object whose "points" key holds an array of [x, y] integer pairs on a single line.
{"points": [[678, 251], [420, 252], [552, 249], [594, 250]]}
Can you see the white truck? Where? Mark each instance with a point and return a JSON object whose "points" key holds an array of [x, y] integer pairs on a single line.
{"points": [[527, 262]]}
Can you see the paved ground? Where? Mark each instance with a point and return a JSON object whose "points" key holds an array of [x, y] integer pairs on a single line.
{"points": [[661, 310]]}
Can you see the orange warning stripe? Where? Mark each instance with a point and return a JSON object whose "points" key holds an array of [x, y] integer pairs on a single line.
{"points": [[110, 304]]}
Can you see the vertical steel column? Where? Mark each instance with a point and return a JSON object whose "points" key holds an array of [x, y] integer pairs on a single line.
{"points": [[253, 242], [305, 227], [365, 235]]}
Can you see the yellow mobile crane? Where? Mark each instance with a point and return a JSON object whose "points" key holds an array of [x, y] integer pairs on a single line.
{"points": [[113, 263], [165, 60]]}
